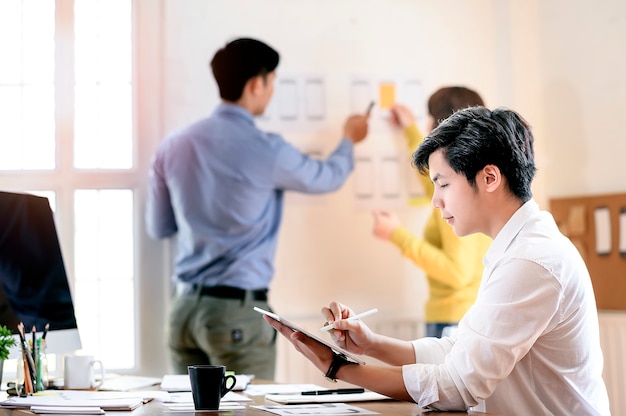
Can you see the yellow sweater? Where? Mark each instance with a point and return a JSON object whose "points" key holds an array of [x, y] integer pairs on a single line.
{"points": [[453, 265]]}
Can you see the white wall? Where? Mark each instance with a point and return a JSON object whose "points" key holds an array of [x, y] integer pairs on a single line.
{"points": [[583, 89], [327, 250], [561, 64]]}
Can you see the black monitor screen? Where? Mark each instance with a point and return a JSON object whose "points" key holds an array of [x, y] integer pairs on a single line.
{"points": [[34, 287]]}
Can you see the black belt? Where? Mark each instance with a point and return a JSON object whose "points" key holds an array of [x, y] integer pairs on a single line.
{"points": [[229, 292]]}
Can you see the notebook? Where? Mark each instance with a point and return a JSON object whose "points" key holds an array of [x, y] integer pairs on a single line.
{"points": [[326, 398], [127, 382]]}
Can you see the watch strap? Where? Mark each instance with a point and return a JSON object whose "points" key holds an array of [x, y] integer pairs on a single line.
{"points": [[338, 361]]}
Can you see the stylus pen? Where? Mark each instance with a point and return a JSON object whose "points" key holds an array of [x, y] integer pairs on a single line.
{"points": [[337, 391], [357, 316]]}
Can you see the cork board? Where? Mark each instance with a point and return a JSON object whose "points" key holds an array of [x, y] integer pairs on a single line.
{"points": [[596, 225]]}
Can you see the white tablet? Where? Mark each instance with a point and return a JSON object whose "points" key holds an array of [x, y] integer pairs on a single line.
{"points": [[295, 327]]}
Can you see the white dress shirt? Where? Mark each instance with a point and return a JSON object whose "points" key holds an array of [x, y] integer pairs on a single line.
{"points": [[530, 344]]}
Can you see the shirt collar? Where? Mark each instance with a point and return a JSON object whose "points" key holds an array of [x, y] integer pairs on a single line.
{"points": [[235, 110], [510, 230]]}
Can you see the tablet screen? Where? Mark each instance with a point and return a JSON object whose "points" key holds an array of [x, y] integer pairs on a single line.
{"points": [[295, 327]]}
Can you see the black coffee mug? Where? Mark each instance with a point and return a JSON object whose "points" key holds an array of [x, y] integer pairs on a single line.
{"points": [[209, 383]]}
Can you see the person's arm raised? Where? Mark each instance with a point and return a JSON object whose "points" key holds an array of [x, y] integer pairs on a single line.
{"points": [[355, 128]]}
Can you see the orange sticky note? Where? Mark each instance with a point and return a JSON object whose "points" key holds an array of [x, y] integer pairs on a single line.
{"points": [[386, 95]]}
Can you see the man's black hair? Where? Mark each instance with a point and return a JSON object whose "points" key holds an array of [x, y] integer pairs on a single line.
{"points": [[238, 61]]}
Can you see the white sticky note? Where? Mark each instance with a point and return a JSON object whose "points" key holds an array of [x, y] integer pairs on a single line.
{"points": [[602, 217], [361, 95], [363, 177], [622, 232], [390, 177], [414, 185], [314, 99], [413, 96], [287, 95]]}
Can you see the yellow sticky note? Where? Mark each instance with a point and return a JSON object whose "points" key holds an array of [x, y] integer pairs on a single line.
{"points": [[386, 95]]}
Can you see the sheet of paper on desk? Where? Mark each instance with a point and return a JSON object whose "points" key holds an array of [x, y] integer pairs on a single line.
{"points": [[326, 398], [263, 389], [180, 382], [67, 410], [186, 397], [117, 382], [316, 409], [63, 399], [183, 401], [189, 407]]}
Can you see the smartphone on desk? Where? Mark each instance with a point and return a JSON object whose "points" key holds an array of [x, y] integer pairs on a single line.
{"points": [[295, 327]]}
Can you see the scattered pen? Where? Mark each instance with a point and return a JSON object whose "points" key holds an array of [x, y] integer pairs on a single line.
{"points": [[337, 391], [357, 316], [370, 107]]}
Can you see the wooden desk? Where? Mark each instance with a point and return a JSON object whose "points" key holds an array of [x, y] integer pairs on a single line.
{"points": [[155, 408]]}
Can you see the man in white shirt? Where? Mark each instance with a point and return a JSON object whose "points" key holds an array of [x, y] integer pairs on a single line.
{"points": [[530, 344]]}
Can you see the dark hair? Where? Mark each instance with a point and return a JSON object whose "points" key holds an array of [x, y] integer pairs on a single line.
{"points": [[475, 137], [445, 101], [238, 61]]}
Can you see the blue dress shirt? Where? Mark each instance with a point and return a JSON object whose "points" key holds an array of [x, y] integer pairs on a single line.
{"points": [[218, 184]]}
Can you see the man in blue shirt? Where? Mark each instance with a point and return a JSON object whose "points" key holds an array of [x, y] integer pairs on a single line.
{"points": [[218, 184]]}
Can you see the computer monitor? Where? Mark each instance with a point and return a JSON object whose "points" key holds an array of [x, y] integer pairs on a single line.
{"points": [[34, 288]]}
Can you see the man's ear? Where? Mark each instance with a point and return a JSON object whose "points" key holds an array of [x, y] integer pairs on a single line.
{"points": [[255, 84], [491, 177]]}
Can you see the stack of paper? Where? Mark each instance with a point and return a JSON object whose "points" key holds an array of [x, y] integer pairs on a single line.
{"points": [[78, 401], [67, 410], [116, 382], [183, 401], [316, 409]]}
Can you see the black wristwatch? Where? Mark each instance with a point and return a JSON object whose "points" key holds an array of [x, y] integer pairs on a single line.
{"points": [[338, 361]]}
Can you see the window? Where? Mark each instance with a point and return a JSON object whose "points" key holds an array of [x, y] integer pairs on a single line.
{"points": [[67, 131]]}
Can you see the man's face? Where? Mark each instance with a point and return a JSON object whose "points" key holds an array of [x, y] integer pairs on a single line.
{"points": [[267, 90], [458, 202]]}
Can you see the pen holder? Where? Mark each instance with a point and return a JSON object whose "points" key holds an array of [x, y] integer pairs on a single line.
{"points": [[42, 368], [40, 381]]}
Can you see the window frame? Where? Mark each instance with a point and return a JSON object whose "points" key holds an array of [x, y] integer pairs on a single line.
{"points": [[152, 258]]}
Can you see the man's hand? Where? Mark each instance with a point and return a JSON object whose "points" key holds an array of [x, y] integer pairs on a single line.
{"points": [[351, 335], [355, 128], [319, 354]]}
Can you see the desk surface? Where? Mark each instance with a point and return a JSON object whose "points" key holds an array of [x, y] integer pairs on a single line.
{"points": [[155, 408]]}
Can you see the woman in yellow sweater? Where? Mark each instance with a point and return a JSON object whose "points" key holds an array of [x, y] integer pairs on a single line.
{"points": [[453, 265]]}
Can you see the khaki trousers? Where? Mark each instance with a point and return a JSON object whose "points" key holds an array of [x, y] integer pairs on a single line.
{"points": [[229, 332]]}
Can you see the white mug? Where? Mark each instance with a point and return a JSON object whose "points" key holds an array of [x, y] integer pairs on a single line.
{"points": [[79, 372]]}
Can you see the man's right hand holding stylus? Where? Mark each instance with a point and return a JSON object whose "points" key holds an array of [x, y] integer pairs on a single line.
{"points": [[351, 335]]}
